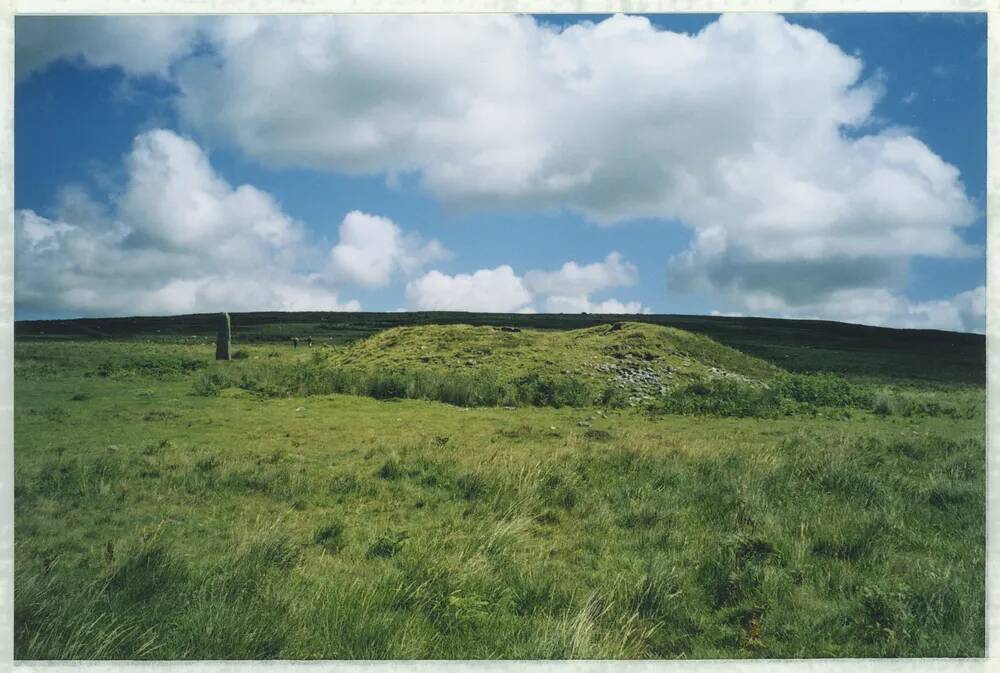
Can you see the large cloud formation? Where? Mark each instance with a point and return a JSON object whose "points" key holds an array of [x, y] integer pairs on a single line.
{"points": [[178, 239], [757, 134]]}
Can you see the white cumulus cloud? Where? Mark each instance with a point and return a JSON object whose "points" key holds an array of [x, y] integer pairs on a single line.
{"points": [[174, 199], [177, 239], [372, 248], [573, 279], [497, 290], [566, 290]]}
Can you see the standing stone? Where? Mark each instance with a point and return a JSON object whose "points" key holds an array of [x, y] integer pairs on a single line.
{"points": [[223, 340]]}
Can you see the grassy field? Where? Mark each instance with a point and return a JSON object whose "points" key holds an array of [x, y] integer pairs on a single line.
{"points": [[790, 490]]}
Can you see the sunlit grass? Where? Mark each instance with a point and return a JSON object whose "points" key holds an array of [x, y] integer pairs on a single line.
{"points": [[153, 522]]}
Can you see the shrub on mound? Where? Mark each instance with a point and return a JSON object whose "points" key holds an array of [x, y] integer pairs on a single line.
{"points": [[784, 395]]}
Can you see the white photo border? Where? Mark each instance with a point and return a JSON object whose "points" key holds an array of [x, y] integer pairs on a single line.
{"points": [[10, 8]]}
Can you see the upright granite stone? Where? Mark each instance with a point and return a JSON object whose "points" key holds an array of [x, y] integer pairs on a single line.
{"points": [[223, 340]]}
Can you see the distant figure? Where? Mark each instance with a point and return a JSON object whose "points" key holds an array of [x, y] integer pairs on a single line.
{"points": [[295, 342], [309, 341]]}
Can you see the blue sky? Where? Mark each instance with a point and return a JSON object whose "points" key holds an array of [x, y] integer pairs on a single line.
{"points": [[820, 166]]}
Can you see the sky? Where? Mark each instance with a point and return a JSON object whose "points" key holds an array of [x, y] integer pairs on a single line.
{"points": [[820, 166]]}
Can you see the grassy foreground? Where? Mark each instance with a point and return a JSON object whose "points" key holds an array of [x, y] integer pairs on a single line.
{"points": [[157, 519]]}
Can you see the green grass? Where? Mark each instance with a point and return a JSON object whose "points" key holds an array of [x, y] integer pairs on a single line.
{"points": [[270, 380], [160, 517]]}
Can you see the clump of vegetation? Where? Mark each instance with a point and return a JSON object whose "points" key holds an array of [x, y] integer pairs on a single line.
{"points": [[802, 394], [344, 484], [330, 536], [471, 485], [391, 469], [271, 549], [914, 405], [153, 366], [459, 389], [386, 545], [883, 405], [143, 569], [556, 392], [207, 464], [724, 398], [822, 390]]}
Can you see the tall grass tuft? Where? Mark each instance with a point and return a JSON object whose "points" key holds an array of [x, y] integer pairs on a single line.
{"points": [[484, 388]]}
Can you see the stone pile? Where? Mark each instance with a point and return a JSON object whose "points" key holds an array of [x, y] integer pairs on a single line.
{"points": [[639, 382], [718, 373]]}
